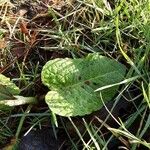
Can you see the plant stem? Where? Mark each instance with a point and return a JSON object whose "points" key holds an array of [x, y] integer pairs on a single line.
{"points": [[19, 100]]}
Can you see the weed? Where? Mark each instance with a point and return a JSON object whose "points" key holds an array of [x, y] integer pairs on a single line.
{"points": [[31, 35]]}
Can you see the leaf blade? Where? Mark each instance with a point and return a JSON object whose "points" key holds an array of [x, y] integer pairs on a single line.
{"points": [[73, 82], [7, 88]]}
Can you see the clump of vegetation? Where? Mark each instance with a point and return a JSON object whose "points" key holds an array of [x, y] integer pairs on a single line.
{"points": [[82, 50]]}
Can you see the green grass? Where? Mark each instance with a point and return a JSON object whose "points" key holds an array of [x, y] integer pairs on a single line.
{"points": [[117, 29]]}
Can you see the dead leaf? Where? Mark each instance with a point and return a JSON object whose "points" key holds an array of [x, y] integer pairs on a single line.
{"points": [[58, 4], [18, 49], [22, 12], [3, 43], [23, 27]]}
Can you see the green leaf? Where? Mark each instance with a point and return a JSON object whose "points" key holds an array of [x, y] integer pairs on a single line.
{"points": [[7, 91], [7, 88], [73, 82]]}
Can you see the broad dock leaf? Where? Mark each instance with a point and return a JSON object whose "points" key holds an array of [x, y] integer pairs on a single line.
{"points": [[73, 83]]}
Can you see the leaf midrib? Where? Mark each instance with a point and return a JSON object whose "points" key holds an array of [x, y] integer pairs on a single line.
{"points": [[80, 83]]}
